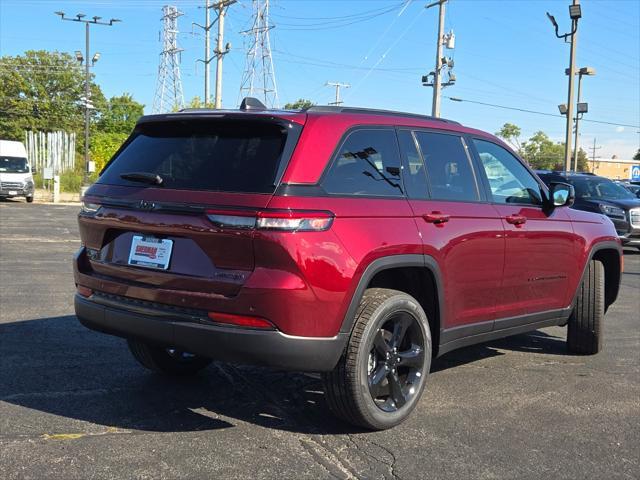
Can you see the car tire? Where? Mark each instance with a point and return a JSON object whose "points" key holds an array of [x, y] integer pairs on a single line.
{"points": [[374, 386], [166, 360], [30, 199], [585, 329]]}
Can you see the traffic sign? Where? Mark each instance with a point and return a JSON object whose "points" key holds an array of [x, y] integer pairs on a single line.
{"points": [[635, 173]]}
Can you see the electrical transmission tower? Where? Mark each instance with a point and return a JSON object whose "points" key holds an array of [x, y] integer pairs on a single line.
{"points": [[169, 90], [259, 78]]}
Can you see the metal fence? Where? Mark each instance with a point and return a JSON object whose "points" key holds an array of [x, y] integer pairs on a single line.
{"points": [[56, 150]]}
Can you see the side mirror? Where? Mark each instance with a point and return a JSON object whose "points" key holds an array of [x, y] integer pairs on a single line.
{"points": [[561, 194]]}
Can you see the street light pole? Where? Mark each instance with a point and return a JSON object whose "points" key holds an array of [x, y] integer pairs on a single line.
{"points": [[95, 21], [575, 141], [572, 69], [574, 13], [581, 108], [86, 105]]}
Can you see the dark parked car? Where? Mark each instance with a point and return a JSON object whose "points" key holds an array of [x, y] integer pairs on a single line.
{"points": [[601, 195], [635, 189], [357, 243]]}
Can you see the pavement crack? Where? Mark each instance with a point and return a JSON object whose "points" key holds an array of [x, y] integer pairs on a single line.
{"points": [[327, 459], [389, 464]]}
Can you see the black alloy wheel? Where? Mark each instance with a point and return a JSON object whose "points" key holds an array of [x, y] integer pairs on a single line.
{"points": [[380, 377], [396, 362]]}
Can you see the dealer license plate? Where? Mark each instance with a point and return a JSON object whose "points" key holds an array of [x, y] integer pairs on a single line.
{"points": [[150, 252], [13, 192]]}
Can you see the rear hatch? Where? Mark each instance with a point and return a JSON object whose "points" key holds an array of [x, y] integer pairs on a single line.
{"points": [[156, 215]]}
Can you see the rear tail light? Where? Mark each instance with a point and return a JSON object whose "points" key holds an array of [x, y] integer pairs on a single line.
{"points": [[283, 220], [241, 320]]}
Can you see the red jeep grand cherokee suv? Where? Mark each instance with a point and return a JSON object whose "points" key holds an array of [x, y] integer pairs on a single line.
{"points": [[357, 243]]}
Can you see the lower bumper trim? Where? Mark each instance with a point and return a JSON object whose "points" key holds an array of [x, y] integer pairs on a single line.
{"points": [[231, 344]]}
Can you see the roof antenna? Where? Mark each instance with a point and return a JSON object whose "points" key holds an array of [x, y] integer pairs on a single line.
{"points": [[251, 103]]}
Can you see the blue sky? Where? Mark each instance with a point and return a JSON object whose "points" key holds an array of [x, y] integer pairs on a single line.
{"points": [[506, 54]]}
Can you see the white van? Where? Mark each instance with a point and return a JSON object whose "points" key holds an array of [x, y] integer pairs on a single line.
{"points": [[16, 178]]}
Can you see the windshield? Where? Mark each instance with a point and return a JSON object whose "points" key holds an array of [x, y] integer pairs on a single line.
{"points": [[599, 188], [226, 156], [13, 165]]}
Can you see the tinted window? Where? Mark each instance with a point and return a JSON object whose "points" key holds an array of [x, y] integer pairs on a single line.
{"points": [[414, 178], [203, 155], [449, 169], [367, 164], [509, 180]]}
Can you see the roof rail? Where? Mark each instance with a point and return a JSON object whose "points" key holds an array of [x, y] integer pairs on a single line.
{"points": [[373, 111]]}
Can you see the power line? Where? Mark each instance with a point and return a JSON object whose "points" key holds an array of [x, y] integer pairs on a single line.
{"points": [[546, 114]]}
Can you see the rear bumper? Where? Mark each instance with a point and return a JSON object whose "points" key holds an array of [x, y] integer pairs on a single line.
{"points": [[191, 333]]}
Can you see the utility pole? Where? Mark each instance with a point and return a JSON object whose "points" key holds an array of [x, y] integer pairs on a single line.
{"points": [[207, 50], [441, 62], [221, 8], [593, 156], [435, 104], [575, 13], [87, 92], [337, 85]]}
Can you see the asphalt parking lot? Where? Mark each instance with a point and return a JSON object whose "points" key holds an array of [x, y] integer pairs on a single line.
{"points": [[74, 403]]}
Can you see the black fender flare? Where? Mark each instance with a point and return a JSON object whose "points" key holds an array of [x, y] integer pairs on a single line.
{"points": [[605, 245], [386, 263]]}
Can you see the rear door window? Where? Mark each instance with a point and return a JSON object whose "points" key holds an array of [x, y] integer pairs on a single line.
{"points": [[367, 163], [230, 156], [413, 171], [449, 168]]}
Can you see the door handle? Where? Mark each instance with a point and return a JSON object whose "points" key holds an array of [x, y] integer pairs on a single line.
{"points": [[516, 220], [436, 217]]}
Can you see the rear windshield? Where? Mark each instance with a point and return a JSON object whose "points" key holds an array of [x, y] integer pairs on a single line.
{"points": [[230, 156]]}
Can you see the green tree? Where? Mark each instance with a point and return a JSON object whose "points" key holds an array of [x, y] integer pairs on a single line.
{"points": [[103, 145], [196, 102], [299, 104], [42, 90], [119, 115], [541, 152], [637, 155], [544, 154], [511, 133]]}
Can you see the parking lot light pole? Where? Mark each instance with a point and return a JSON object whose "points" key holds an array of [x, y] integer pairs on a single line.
{"points": [[80, 17], [580, 110], [575, 13]]}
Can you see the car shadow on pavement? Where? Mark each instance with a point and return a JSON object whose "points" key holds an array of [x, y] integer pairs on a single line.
{"points": [[57, 367]]}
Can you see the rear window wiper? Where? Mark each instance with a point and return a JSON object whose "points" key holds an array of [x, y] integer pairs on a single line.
{"points": [[142, 177]]}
